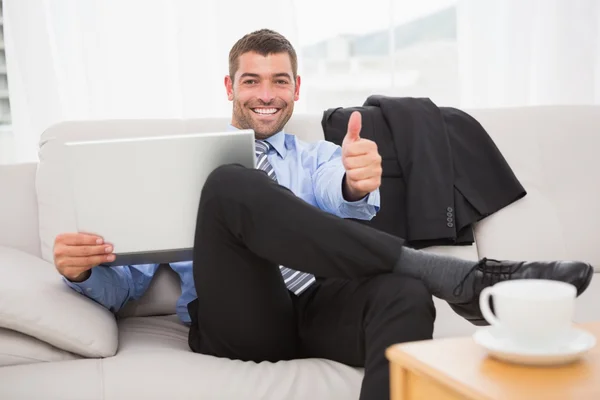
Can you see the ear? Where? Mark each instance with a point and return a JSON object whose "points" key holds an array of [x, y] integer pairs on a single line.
{"points": [[297, 90], [229, 87]]}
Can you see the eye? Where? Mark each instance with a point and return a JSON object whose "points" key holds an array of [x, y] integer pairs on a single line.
{"points": [[282, 82], [249, 82]]}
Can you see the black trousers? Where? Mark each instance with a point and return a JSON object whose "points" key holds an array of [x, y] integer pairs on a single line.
{"points": [[247, 226]]}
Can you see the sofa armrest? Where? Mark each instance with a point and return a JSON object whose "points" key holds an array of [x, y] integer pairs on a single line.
{"points": [[35, 301]]}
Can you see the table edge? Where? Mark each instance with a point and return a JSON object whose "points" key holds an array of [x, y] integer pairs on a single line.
{"points": [[395, 355]]}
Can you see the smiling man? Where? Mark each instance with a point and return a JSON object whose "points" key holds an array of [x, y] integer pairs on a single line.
{"points": [[278, 271], [281, 274], [256, 105]]}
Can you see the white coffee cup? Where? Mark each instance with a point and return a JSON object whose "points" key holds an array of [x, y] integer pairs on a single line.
{"points": [[530, 312]]}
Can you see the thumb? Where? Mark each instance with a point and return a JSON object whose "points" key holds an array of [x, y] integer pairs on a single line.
{"points": [[354, 125]]}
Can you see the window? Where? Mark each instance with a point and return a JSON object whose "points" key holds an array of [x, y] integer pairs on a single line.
{"points": [[390, 47], [6, 140]]}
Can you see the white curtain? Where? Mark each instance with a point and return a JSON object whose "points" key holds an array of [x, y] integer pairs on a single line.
{"points": [[528, 52], [96, 59]]}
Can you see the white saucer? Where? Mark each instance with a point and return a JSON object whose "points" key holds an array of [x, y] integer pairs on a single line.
{"points": [[499, 346]]}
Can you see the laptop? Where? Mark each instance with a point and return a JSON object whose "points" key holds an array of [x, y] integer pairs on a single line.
{"points": [[142, 194]]}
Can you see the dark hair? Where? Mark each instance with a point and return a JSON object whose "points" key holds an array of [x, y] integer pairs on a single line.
{"points": [[263, 42]]}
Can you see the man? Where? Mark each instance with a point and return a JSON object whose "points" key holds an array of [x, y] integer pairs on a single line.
{"points": [[278, 272]]}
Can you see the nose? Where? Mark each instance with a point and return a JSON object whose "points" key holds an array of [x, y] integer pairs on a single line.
{"points": [[266, 94]]}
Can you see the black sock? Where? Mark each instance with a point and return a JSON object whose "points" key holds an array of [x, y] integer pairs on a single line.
{"points": [[441, 274]]}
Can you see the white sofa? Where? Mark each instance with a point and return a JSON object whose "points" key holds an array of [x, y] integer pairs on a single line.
{"points": [[57, 344]]}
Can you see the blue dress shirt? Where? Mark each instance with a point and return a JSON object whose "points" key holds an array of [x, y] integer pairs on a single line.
{"points": [[312, 171]]}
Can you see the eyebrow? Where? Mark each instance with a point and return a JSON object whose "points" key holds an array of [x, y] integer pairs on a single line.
{"points": [[277, 75]]}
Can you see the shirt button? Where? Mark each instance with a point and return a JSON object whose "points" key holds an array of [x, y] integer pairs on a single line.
{"points": [[450, 224], [449, 209], [449, 219], [449, 214]]}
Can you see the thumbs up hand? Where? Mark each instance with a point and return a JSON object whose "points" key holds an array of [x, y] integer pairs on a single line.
{"points": [[361, 161]]}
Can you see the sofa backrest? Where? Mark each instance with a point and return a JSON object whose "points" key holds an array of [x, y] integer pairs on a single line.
{"points": [[551, 149], [554, 153], [18, 208]]}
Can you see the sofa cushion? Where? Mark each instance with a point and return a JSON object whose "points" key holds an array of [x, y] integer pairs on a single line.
{"points": [[156, 349], [554, 153], [64, 380], [160, 298], [149, 334], [35, 301], [17, 348], [155, 362]]}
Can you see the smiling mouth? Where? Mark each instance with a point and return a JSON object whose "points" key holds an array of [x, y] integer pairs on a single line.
{"points": [[265, 111]]}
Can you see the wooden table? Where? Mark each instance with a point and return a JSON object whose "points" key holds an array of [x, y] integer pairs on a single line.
{"points": [[458, 368]]}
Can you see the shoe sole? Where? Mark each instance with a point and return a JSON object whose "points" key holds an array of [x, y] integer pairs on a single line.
{"points": [[464, 309]]}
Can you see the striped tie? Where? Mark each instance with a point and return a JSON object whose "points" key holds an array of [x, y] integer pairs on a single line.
{"points": [[296, 281]]}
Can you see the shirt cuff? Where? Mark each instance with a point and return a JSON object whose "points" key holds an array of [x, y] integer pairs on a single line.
{"points": [[372, 199], [365, 208], [90, 285]]}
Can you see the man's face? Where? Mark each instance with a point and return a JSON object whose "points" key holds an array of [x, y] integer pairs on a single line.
{"points": [[263, 92]]}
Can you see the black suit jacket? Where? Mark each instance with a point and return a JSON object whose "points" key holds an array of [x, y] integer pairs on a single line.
{"points": [[441, 170]]}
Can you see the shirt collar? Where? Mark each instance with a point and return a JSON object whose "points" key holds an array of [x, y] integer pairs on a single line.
{"points": [[277, 141]]}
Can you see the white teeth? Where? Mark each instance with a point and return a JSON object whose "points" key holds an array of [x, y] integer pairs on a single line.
{"points": [[265, 110]]}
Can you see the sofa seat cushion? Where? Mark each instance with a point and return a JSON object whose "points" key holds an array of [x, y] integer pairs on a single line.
{"points": [[160, 298], [64, 380], [152, 334], [154, 362], [155, 350]]}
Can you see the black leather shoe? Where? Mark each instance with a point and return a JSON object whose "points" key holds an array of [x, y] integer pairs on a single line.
{"points": [[489, 272]]}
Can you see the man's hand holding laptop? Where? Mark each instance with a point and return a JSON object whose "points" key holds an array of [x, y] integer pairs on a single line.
{"points": [[75, 254]]}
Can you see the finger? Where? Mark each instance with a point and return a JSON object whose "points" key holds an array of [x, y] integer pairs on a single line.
{"points": [[82, 251], [354, 126], [361, 174], [79, 239], [362, 146], [86, 262], [352, 162]]}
